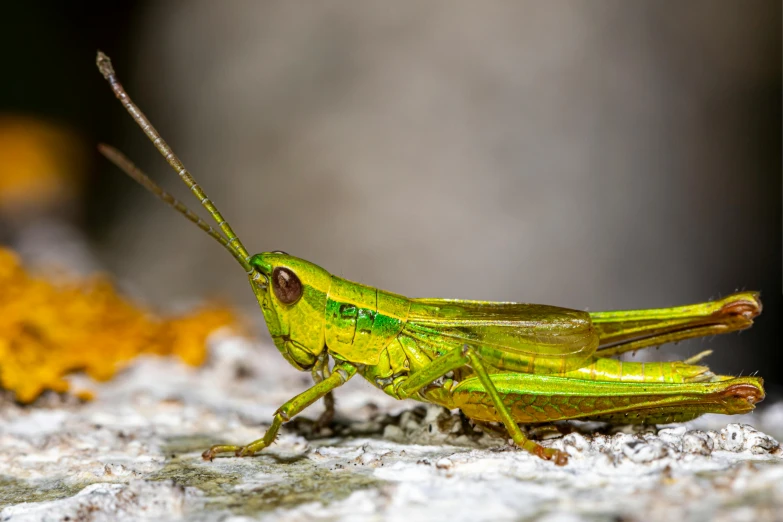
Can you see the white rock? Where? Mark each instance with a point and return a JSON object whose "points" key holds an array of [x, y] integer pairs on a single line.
{"points": [[134, 454], [697, 442]]}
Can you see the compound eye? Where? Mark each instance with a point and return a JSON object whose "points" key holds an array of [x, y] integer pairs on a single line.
{"points": [[286, 286]]}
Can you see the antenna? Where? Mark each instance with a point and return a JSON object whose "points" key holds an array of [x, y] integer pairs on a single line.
{"points": [[127, 166], [231, 241]]}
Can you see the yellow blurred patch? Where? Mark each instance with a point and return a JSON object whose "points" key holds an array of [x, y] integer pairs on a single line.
{"points": [[42, 163], [48, 330]]}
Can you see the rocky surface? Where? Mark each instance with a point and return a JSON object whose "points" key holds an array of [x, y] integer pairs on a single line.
{"points": [[134, 453]]}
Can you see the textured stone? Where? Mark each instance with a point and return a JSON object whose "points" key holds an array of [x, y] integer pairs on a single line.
{"points": [[134, 454]]}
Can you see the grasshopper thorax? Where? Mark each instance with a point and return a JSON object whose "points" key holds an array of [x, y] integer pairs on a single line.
{"points": [[293, 303]]}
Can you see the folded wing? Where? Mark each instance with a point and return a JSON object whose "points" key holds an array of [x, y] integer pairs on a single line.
{"points": [[523, 337]]}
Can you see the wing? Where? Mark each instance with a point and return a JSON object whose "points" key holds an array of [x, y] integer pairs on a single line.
{"points": [[515, 336]]}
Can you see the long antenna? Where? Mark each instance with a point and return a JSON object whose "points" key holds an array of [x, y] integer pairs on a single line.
{"points": [[105, 66], [127, 166]]}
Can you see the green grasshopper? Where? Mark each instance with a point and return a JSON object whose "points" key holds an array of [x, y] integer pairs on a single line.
{"points": [[511, 363]]}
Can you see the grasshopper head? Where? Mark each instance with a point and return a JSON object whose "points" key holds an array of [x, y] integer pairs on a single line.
{"points": [[293, 302]]}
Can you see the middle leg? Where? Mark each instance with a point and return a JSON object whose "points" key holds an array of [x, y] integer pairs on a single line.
{"points": [[467, 356], [320, 372]]}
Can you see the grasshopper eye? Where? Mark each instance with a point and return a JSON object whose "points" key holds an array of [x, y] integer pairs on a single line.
{"points": [[286, 286]]}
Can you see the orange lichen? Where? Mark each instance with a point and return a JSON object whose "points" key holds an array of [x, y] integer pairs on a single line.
{"points": [[49, 329]]}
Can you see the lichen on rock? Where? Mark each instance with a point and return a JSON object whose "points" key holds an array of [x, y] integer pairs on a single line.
{"points": [[55, 325]]}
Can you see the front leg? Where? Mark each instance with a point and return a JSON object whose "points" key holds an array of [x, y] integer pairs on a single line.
{"points": [[341, 373]]}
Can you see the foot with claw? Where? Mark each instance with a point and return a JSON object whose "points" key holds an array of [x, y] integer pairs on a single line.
{"points": [[238, 451], [560, 458], [214, 450]]}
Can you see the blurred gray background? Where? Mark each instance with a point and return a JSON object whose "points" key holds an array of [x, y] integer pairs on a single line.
{"points": [[599, 154]]}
